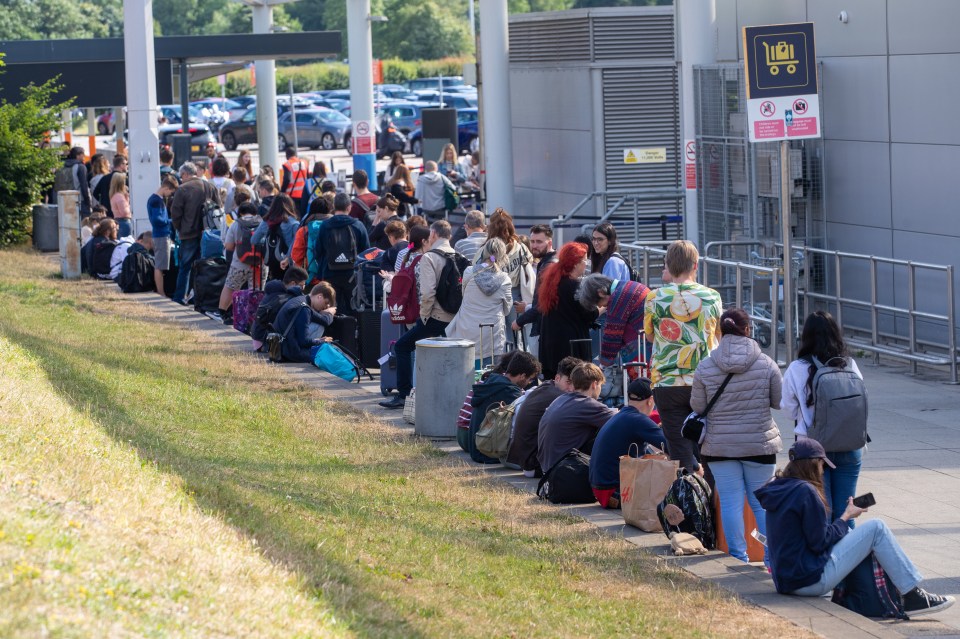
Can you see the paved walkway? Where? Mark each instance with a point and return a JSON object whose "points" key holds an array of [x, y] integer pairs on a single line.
{"points": [[912, 467]]}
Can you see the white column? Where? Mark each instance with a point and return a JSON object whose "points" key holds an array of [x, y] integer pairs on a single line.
{"points": [[144, 170], [497, 124], [68, 221], [697, 36], [360, 51], [267, 138]]}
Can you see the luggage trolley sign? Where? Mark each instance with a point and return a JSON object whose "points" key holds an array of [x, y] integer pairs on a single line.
{"points": [[781, 75]]}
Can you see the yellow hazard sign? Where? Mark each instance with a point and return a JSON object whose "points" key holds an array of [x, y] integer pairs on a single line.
{"points": [[645, 156]]}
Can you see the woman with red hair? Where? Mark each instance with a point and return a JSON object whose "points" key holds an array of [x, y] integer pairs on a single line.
{"points": [[563, 318]]}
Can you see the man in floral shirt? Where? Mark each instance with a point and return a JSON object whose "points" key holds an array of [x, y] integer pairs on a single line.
{"points": [[681, 320]]}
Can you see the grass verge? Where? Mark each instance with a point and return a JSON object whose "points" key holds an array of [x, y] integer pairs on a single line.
{"points": [[152, 484]]}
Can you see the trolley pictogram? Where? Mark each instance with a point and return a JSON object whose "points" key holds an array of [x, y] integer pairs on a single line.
{"points": [[780, 55]]}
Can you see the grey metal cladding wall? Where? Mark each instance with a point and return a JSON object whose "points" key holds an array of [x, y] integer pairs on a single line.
{"points": [[641, 109], [562, 40], [633, 37]]}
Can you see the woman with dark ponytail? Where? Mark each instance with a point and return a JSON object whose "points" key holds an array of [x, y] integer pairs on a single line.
{"points": [[742, 440]]}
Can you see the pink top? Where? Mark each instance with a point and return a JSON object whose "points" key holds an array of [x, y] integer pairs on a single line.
{"points": [[120, 205]]}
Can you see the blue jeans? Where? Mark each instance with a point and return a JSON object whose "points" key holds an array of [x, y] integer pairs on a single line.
{"points": [[124, 227], [736, 480], [841, 483], [189, 252], [856, 545], [405, 347]]}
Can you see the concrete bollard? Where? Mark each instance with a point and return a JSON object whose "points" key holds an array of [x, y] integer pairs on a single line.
{"points": [[68, 208]]}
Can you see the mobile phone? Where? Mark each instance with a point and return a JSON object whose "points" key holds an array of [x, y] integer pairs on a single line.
{"points": [[759, 536], [864, 501]]}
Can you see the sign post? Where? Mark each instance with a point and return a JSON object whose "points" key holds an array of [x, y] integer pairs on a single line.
{"points": [[783, 104]]}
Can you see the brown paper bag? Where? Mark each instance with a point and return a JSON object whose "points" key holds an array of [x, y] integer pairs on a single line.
{"points": [[644, 482]]}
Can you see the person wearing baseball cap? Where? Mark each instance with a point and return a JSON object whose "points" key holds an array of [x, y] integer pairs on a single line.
{"points": [[632, 425], [810, 555]]}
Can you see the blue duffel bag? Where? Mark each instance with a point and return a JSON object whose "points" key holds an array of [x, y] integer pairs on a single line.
{"points": [[211, 245]]}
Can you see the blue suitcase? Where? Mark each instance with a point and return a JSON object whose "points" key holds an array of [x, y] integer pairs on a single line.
{"points": [[389, 334]]}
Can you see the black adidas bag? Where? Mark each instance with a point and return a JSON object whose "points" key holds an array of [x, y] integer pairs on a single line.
{"points": [[340, 248], [209, 277], [568, 481], [275, 251], [136, 274], [100, 262]]}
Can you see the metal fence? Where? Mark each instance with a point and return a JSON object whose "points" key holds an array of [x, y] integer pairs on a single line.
{"points": [[629, 212]]}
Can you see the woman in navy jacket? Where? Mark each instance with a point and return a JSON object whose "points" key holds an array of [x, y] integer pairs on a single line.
{"points": [[810, 555]]}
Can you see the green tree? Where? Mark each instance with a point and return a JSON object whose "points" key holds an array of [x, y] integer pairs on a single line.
{"points": [[58, 19], [424, 30], [26, 169]]}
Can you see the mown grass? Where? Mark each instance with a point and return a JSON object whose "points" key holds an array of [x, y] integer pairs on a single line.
{"points": [[152, 484]]}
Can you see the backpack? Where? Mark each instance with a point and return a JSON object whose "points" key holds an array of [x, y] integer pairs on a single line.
{"points": [[100, 264], [366, 280], [868, 591], [340, 248], [451, 199], [334, 358], [403, 300], [367, 215], [67, 178], [840, 409], [275, 250], [313, 266], [493, 437], [634, 277], [449, 289], [686, 508], [136, 274], [568, 481], [245, 251], [212, 214], [266, 314]]}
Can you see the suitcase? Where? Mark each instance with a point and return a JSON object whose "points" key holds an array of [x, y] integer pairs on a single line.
{"points": [[389, 334], [344, 330], [368, 326], [208, 277], [245, 305]]}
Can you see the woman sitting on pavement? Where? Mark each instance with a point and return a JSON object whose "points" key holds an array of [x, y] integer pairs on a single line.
{"points": [[624, 303], [742, 440], [486, 301], [809, 555]]}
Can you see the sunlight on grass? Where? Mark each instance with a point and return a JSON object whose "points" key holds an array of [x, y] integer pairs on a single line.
{"points": [[153, 482]]}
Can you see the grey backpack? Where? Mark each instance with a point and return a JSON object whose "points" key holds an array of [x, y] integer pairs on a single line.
{"points": [[840, 409]]}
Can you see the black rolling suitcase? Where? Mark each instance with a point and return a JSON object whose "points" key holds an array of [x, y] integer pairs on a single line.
{"points": [[209, 277], [368, 329], [344, 330]]}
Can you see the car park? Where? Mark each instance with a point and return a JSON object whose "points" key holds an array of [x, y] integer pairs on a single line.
{"points": [[243, 130], [434, 83], [316, 128]]}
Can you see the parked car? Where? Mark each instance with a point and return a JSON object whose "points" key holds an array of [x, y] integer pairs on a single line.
{"points": [[223, 105], [468, 136], [449, 100], [434, 83], [243, 130], [316, 128], [392, 91], [389, 139], [405, 115], [200, 136], [174, 114], [244, 102]]}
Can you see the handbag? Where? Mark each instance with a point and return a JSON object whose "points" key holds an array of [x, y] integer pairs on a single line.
{"points": [[568, 480], [275, 342], [410, 407], [695, 425], [644, 482]]}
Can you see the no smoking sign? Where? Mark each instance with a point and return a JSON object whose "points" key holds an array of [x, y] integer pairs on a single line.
{"points": [[363, 128]]}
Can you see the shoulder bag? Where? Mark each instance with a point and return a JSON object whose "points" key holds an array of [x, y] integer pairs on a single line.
{"points": [[695, 425]]}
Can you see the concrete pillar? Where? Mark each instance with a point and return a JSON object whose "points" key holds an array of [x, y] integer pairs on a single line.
{"points": [[697, 36], [118, 127], [67, 117], [497, 138], [267, 138], [68, 219], [144, 163], [361, 85]]}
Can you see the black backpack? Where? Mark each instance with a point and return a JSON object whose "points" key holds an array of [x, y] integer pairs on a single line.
{"points": [[568, 481], [266, 314], [449, 289], [340, 248], [136, 274], [691, 495], [633, 273], [100, 264]]}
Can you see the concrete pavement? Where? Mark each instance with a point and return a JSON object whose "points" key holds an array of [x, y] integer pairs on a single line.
{"points": [[912, 467]]}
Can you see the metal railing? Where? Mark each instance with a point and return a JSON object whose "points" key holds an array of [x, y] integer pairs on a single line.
{"points": [[744, 281], [626, 205]]}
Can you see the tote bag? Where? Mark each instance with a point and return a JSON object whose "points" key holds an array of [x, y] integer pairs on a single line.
{"points": [[644, 482]]}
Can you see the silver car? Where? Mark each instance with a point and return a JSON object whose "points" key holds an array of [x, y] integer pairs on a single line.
{"points": [[316, 128]]}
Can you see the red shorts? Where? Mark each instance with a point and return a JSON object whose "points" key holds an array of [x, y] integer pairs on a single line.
{"points": [[603, 496]]}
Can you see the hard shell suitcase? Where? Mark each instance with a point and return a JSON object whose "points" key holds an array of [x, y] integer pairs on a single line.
{"points": [[389, 334]]}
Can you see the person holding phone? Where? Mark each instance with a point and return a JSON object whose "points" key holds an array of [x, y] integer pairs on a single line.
{"points": [[810, 554]]}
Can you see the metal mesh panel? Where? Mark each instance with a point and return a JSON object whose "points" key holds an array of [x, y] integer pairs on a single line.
{"points": [[739, 194]]}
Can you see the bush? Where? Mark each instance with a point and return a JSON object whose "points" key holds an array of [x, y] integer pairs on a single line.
{"points": [[26, 169]]}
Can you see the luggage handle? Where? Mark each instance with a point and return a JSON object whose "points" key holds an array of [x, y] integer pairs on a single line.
{"points": [[492, 355]]}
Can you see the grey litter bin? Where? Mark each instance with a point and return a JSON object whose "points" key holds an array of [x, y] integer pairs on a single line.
{"points": [[46, 228], [445, 374]]}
